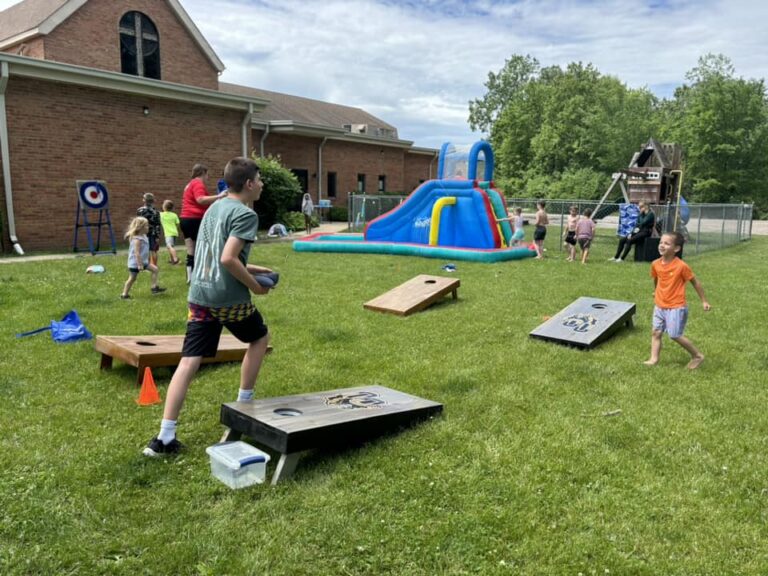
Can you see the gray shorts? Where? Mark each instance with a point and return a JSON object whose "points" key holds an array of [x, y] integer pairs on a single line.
{"points": [[670, 320], [170, 241]]}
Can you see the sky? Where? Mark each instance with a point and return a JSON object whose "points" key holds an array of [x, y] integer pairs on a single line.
{"points": [[417, 64]]}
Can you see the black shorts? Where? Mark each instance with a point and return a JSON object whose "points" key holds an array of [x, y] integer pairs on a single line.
{"points": [[570, 238], [585, 243], [154, 243], [202, 337], [190, 227], [540, 233]]}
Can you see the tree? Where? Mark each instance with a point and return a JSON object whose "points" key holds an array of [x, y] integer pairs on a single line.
{"points": [[281, 189], [501, 88], [722, 123]]}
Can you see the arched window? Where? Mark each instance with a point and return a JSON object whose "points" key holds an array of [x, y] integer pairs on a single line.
{"points": [[139, 46]]}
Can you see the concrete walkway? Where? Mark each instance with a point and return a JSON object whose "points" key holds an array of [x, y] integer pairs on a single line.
{"points": [[326, 228]]}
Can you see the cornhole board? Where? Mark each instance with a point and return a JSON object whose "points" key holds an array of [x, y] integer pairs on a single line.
{"points": [[415, 295], [586, 322], [155, 351], [292, 424]]}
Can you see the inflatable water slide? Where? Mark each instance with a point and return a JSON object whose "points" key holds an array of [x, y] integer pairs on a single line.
{"points": [[456, 216]]}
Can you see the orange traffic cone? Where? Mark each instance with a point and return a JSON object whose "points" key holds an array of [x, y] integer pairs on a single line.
{"points": [[148, 394]]}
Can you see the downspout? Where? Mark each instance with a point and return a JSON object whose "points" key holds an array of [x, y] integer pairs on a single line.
{"points": [[6, 159], [263, 139], [320, 169], [431, 163], [245, 126]]}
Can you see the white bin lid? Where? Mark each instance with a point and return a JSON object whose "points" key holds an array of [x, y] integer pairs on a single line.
{"points": [[235, 455]]}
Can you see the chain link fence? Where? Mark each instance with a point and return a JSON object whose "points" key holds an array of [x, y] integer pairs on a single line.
{"points": [[709, 226]]}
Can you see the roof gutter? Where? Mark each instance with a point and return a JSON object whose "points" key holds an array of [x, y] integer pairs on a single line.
{"points": [[6, 159], [26, 67]]}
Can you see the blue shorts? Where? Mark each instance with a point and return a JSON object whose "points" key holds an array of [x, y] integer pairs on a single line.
{"points": [[670, 320]]}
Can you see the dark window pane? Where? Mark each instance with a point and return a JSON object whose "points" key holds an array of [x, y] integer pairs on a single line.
{"points": [[128, 55]]}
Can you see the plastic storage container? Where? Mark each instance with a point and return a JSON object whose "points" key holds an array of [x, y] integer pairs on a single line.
{"points": [[238, 464]]}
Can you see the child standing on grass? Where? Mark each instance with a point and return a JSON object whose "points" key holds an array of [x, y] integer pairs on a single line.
{"points": [[170, 222], [570, 233], [149, 212], [518, 233], [138, 256], [670, 312], [220, 296], [540, 232], [585, 232]]}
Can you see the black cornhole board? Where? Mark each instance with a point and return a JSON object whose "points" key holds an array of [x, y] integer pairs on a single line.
{"points": [[291, 424], [586, 322]]}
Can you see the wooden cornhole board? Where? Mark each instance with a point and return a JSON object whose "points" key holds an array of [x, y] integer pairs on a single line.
{"points": [[416, 294], [155, 351], [292, 424], [586, 322]]}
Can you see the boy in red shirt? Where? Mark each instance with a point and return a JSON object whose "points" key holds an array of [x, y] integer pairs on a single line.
{"points": [[670, 312]]}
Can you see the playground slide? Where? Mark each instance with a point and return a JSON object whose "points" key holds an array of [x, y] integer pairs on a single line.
{"points": [[448, 212]]}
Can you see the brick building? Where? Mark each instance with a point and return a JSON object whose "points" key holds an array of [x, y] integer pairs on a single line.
{"points": [[128, 92]]}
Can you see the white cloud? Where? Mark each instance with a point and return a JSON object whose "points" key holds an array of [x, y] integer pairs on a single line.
{"points": [[416, 64]]}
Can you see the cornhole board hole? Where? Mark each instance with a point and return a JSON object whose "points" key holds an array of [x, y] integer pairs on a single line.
{"points": [[156, 351], [415, 295], [586, 322], [334, 418]]}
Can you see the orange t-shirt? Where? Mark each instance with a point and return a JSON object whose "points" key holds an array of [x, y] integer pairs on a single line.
{"points": [[670, 282]]}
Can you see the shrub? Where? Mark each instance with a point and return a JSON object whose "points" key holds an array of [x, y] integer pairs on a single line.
{"points": [[337, 214], [295, 220], [281, 188]]}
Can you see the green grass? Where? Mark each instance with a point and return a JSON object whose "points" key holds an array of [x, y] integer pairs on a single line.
{"points": [[522, 474]]}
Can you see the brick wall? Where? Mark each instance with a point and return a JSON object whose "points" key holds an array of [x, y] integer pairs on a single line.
{"points": [[60, 133], [34, 48], [348, 159], [419, 167], [90, 37]]}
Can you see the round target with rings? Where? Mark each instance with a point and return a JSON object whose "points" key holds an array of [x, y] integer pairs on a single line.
{"points": [[93, 195]]}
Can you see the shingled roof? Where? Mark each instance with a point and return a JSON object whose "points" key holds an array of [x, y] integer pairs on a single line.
{"points": [[285, 107], [26, 17]]}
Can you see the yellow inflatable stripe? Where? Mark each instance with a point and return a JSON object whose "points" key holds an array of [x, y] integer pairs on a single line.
{"points": [[434, 229]]}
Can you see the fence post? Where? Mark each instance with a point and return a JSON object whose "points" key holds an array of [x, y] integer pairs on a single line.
{"points": [[722, 231], [562, 208], [698, 232]]}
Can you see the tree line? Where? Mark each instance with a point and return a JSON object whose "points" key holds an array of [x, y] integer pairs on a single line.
{"points": [[561, 133]]}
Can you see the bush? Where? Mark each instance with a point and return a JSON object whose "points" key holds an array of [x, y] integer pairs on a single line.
{"points": [[337, 214], [295, 220], [281, 187]]}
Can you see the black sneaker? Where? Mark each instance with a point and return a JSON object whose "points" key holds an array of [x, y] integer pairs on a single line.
{"points": [[157, 290], [125, 296], [156, 448]]}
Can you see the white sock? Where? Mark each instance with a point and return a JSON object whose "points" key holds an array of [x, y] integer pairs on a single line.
{"points": [[244, 395], [167, 431]]}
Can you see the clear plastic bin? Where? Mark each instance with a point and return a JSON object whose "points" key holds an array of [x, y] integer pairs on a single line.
{"points": [[238, 464]]}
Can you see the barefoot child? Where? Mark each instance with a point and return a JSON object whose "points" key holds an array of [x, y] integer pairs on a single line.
{"points": [[540, 232], [670, 312], [138, 256], [570, 233], [585, 232]]}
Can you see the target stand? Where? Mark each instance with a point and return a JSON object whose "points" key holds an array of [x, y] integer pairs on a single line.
{"points": [[330, 419], [92, 196], [586, 322]]}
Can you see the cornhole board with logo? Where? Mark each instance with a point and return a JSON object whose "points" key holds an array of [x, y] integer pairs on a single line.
{"points": [[415, 295], [156, 351], [586, 322], [334, 418]]}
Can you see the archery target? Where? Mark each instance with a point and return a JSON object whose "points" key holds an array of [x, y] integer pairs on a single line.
{"points": [[93, 194]]}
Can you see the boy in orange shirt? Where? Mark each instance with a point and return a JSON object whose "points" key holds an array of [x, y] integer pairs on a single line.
{"points": [[670, 312]]}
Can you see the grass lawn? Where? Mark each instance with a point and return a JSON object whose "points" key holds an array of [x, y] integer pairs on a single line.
{"points": [[524, 473]]}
